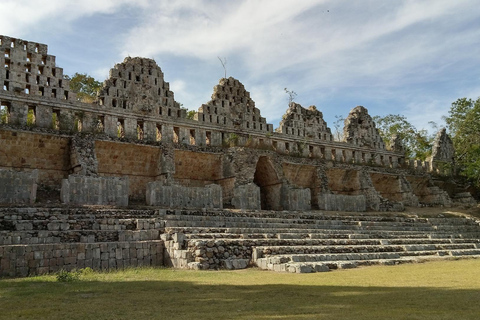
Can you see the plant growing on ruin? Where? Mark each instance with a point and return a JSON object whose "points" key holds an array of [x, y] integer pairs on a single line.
{"points": [[224, 65], [291, 95], [232, 140]]}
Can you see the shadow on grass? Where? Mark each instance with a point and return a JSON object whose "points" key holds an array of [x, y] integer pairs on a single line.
{"points": [[188, 300]]}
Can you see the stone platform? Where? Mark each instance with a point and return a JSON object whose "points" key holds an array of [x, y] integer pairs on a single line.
{"points": [[39, 240]]}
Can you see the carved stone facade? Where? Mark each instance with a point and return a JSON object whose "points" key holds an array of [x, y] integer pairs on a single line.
{"points": [[306, 123], [360, 130], [135, 147], [135, 129]]}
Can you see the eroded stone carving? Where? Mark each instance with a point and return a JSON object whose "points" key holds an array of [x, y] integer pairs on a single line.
{"points": [[360, 130]]}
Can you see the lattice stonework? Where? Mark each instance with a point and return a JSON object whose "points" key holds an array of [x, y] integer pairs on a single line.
{"points": [[27, 68]]}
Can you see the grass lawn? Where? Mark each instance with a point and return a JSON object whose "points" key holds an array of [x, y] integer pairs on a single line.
{"points": [[432, 290]]}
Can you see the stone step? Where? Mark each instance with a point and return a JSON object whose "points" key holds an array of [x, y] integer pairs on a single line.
{"points": [[261, 251], [90, 224], [74, 236], [310, 267], [226, 224], [286, 233]]}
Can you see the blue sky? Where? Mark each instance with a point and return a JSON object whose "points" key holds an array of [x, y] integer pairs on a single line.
{"points": [[393, 57]]}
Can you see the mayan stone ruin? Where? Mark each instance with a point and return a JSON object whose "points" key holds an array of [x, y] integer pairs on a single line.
{"points": [[129, 180]]}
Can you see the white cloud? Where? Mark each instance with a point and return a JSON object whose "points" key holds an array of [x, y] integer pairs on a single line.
{"points": [[26, 14], [364, 52]]}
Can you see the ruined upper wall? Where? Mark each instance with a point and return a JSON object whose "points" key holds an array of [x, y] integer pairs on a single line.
{"points": [[443, 149], [27, 68], [137, 85], [360, 130], [231, 106], [301, 122]]}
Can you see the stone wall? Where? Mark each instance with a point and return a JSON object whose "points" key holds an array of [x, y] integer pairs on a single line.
{"points": [[18, 187], [82, 190], [306, 123], [296, 198], [247, 197], [175, 196], [198, 168], [141, 164], [25, 260], [47, 153], [340, 202]]}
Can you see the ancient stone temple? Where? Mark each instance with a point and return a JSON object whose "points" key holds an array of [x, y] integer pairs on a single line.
{"points": [[131, 180]]}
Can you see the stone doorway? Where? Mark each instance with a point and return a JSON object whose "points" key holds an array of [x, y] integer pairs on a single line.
{"points": [[270, 186]]}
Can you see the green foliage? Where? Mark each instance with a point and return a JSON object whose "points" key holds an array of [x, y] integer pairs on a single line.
{"points": [[30, 118], [191, 114], [417, 143], [85, 86], [463, 123], [68, 276], [3, 114], [232, 140]]}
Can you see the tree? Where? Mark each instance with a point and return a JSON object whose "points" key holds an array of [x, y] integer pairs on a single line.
{"points": [[85, 86], [338, 128], [417, 143], [224, 65], [291, 95], [463, 124]]}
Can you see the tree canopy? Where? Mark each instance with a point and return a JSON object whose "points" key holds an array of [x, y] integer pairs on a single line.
{"points": [[463, 124], [417, 143], [85, 86]]}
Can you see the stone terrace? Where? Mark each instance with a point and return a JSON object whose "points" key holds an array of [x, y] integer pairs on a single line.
{"points": [[41, 240]]}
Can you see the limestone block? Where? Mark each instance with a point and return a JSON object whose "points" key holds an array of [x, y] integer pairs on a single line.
{"points": [[94, 190], [158, 193], [247, 197], [18, 187], [339, 202]]}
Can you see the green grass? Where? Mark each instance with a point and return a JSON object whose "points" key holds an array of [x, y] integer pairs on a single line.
{"points": [[433, 290]]}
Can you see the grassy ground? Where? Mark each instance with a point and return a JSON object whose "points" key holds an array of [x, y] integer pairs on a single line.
{"points": [[433, 290]]}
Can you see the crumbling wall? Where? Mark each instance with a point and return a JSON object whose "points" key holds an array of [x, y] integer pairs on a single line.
{"points": [[232, 106], [83, 190], [18, 187], [137, 85], [426, 191], [83, 160], [360, 130], [394, 187], [443, 153], [162, 194], [306, 123], [30, 70]]}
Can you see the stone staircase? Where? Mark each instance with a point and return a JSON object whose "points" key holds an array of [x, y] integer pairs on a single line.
{"points": [[40, 240], [314, 241]]}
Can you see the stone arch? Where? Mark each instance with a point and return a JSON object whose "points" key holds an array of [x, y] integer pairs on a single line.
{"points": [[267, 179]]}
